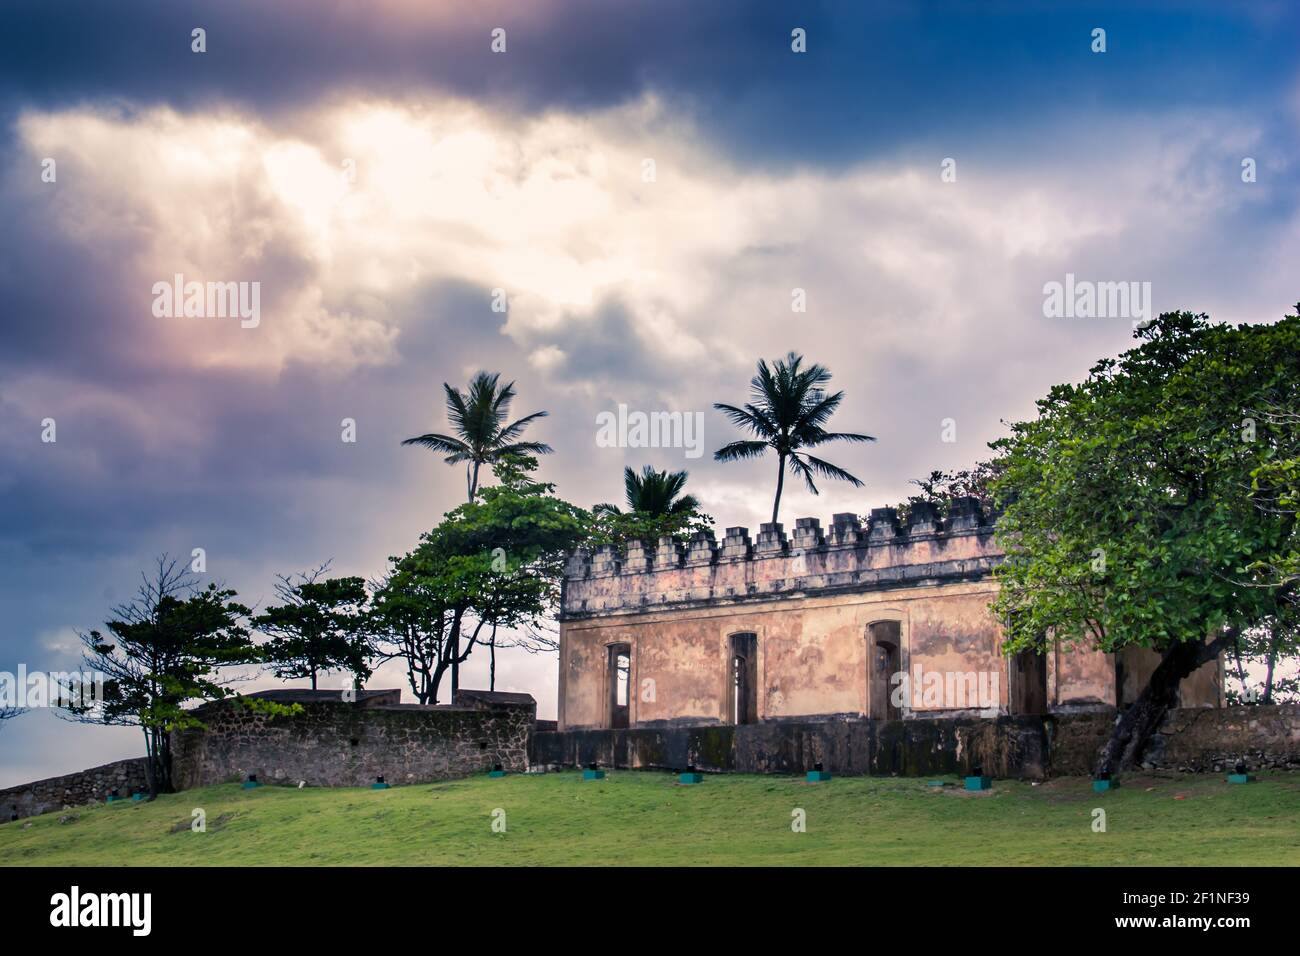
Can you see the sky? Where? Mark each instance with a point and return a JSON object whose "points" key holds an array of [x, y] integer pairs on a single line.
{"points": [[646, 183]]}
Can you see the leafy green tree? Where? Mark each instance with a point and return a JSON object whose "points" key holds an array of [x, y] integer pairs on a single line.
{"points": [[163, 650], [481, 435], [319, 626], [1275, 483], [787, 412], [1274, 646], [941, 488], [1129, 518], [409, 620], [494, 563]]}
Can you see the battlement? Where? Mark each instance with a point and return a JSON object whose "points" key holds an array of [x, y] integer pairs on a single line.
{"points": [[848, 557]]}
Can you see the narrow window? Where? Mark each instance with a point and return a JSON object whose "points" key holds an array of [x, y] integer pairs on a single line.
{"points": [[619, 677], [743, 679]]}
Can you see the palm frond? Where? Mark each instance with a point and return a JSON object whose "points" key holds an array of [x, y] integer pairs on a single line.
{"points": [[512, 431], [799, 467], [456, 450], [739, 450], [457, 410], [820, 437], [827, 470], [819, 410], [684, 504], [743, 417], [653, 492], [522, 448]]}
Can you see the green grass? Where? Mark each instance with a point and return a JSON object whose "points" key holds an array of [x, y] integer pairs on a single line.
{"points": [[647, 818]]}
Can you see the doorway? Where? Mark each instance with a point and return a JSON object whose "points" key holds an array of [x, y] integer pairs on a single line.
{"points": [[1028, 691], [884, 660]]}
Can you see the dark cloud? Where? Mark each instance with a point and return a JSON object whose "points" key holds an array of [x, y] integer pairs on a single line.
{"points": [[874, 73]]}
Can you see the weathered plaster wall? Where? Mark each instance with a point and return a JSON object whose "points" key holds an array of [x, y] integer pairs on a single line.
{"points": [[812, 654], [1080, 678], [951, 631], [74, 789]]}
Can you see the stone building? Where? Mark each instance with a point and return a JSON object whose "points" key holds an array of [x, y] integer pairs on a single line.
{"points": [[878, 622]]}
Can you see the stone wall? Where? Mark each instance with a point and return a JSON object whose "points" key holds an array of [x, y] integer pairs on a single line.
{"points": [[1191, 740], [1004, 747], [74, 789], [1195, 740], [338, 744]]}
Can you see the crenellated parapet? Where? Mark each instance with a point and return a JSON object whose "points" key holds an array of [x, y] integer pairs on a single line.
{"points": [[846, 556]]}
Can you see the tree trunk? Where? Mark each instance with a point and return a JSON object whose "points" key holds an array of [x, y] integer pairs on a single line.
{"points": [[1241, 668], [472, 475], [436, 681], [1275, 637], [1135, 725], [492, 670], [150, 771], [165, 762], [780, 483], [455, 653], [158, 761]]}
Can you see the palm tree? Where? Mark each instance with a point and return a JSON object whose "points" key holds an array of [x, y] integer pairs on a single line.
{"points": [[481, 437], [653, 492], [787, 412]]}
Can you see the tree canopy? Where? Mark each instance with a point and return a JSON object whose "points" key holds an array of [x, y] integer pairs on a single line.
{"points": [[1132, 512], [495, 562], [320, 626], [163, 650]]}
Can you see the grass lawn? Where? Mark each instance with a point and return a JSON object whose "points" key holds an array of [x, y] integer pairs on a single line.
{"points": [[647, 818]]}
